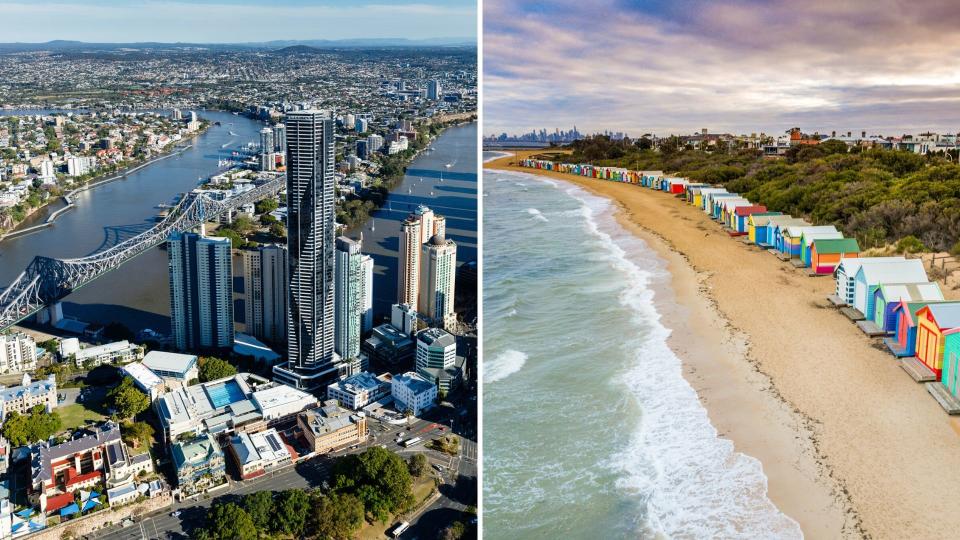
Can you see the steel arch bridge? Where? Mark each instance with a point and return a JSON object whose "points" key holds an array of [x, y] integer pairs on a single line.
{"points": [[46, 281]]}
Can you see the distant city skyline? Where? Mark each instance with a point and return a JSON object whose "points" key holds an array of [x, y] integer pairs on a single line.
{"points": [[737, 65], [235, 21]]}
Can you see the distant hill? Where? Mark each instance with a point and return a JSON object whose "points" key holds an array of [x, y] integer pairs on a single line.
{"points": [[285, 46]]}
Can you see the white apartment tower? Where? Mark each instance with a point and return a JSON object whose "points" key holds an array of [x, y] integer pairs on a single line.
{"points": [[438, 272], [201, 291], [266, 293], [348, 303]]}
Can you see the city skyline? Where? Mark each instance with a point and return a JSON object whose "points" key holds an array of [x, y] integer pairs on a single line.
{"points": [[122, 21], [670, 68]]}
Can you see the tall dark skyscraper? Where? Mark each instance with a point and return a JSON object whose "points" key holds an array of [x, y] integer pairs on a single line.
{"points": [[310, 251]]}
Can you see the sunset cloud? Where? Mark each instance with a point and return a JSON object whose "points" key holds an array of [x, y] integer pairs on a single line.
{"points": [[882, 66]]}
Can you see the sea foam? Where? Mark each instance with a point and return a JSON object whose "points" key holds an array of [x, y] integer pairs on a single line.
{"points": [[505, 364]]}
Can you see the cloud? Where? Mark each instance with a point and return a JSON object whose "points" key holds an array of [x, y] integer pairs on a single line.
{"points": [[727, 65]]}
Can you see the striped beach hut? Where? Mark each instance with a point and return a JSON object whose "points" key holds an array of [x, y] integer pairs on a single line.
{"points": [[726, 208], [889, 295], [806, 242], [950, 376], [700, 200], [791, 243], [846, 274], [693, 191], [717, 199], [825, 253], [934, 322], [780, 229], [741, 217], [757, 227], [871, 276], [903, 342], [771, 231]]}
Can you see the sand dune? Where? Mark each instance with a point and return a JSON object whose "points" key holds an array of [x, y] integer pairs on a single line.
{"points": [[851, 445]]}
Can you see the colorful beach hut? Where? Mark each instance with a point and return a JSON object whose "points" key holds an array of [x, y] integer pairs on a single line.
{"points": [[741, 217], [806, 242], [950, 376], [791, 243], [846, 274], [692, 191], [889, 295], [717, 199], [781, 229], [903, 342], [726, 208], [934, 322], [871, 276], [700, 199], [825, 253], [757, 227]]}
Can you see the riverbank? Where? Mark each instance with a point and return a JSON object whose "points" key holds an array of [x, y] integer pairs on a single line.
{"points": [[67, 198], [850, 444]]}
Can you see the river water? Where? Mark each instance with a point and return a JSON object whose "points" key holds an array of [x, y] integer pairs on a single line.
{"points": [[137, 294]]}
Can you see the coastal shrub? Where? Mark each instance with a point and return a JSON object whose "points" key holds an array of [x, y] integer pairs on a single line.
{"points": [[910, 244]]}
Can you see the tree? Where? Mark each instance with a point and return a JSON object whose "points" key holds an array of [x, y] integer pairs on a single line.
{"points": [[379, 478], [212, 368], [454, 531], [37, 425], [227, 521], [235, 240], [338, 516], [277, 229], [259, 505], [266, 206], [137, 433], [291, 510], [243, 225], [127, 399], [418, 464]]}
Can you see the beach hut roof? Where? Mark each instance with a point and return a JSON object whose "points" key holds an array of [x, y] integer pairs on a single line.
{"points": [[809, 237], [763, 218], [728, 203], [797, 230], [947, 314], [836, 245], [752, 209], [852, 265], [912, 308], [905, 271], [927, 290]]}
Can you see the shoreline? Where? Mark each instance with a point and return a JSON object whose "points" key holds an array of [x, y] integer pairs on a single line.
{"points": [[68, 197], [850, 445]]}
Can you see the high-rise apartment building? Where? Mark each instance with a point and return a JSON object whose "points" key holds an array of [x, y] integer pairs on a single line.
{"points": [[408, 269], [348, 298], [374, 143], [280, 138], [312, 362], [265, 270], [366, 303], [433, 89], [266, 140], [438, 272], [201, 291]]}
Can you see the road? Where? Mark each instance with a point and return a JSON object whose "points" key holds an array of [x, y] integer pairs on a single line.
{"points": [[312, 473]]}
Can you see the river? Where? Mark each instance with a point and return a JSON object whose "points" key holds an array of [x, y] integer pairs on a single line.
{"points": [[137, 294]]}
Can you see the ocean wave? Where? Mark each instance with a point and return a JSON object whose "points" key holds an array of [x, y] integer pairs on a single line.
{"points": [[536, 214], [505, 364], [693, 482]]}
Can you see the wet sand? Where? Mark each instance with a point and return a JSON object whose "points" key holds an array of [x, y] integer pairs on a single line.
{"points": [[851, 446]]}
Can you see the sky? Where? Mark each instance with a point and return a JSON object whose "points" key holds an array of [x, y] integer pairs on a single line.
{"points": [[675, 66], [233, 21]]}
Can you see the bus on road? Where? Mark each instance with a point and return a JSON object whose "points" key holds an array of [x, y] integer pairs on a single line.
{"points": [[398, 529], [410, 442]]}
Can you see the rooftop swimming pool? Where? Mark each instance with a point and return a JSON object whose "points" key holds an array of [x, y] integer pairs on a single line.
{"points": [[225, 393]]}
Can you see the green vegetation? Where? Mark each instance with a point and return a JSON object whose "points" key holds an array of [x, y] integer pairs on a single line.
{"points": [[37, 425], [379, 478], [212, 368], [77, 415], [447, 444], [418, 465], [127, 399], [294, 513], [877, 196], [137, 434]]}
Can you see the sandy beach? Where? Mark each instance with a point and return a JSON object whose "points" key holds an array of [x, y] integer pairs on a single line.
{"points": [[851, 445]]}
